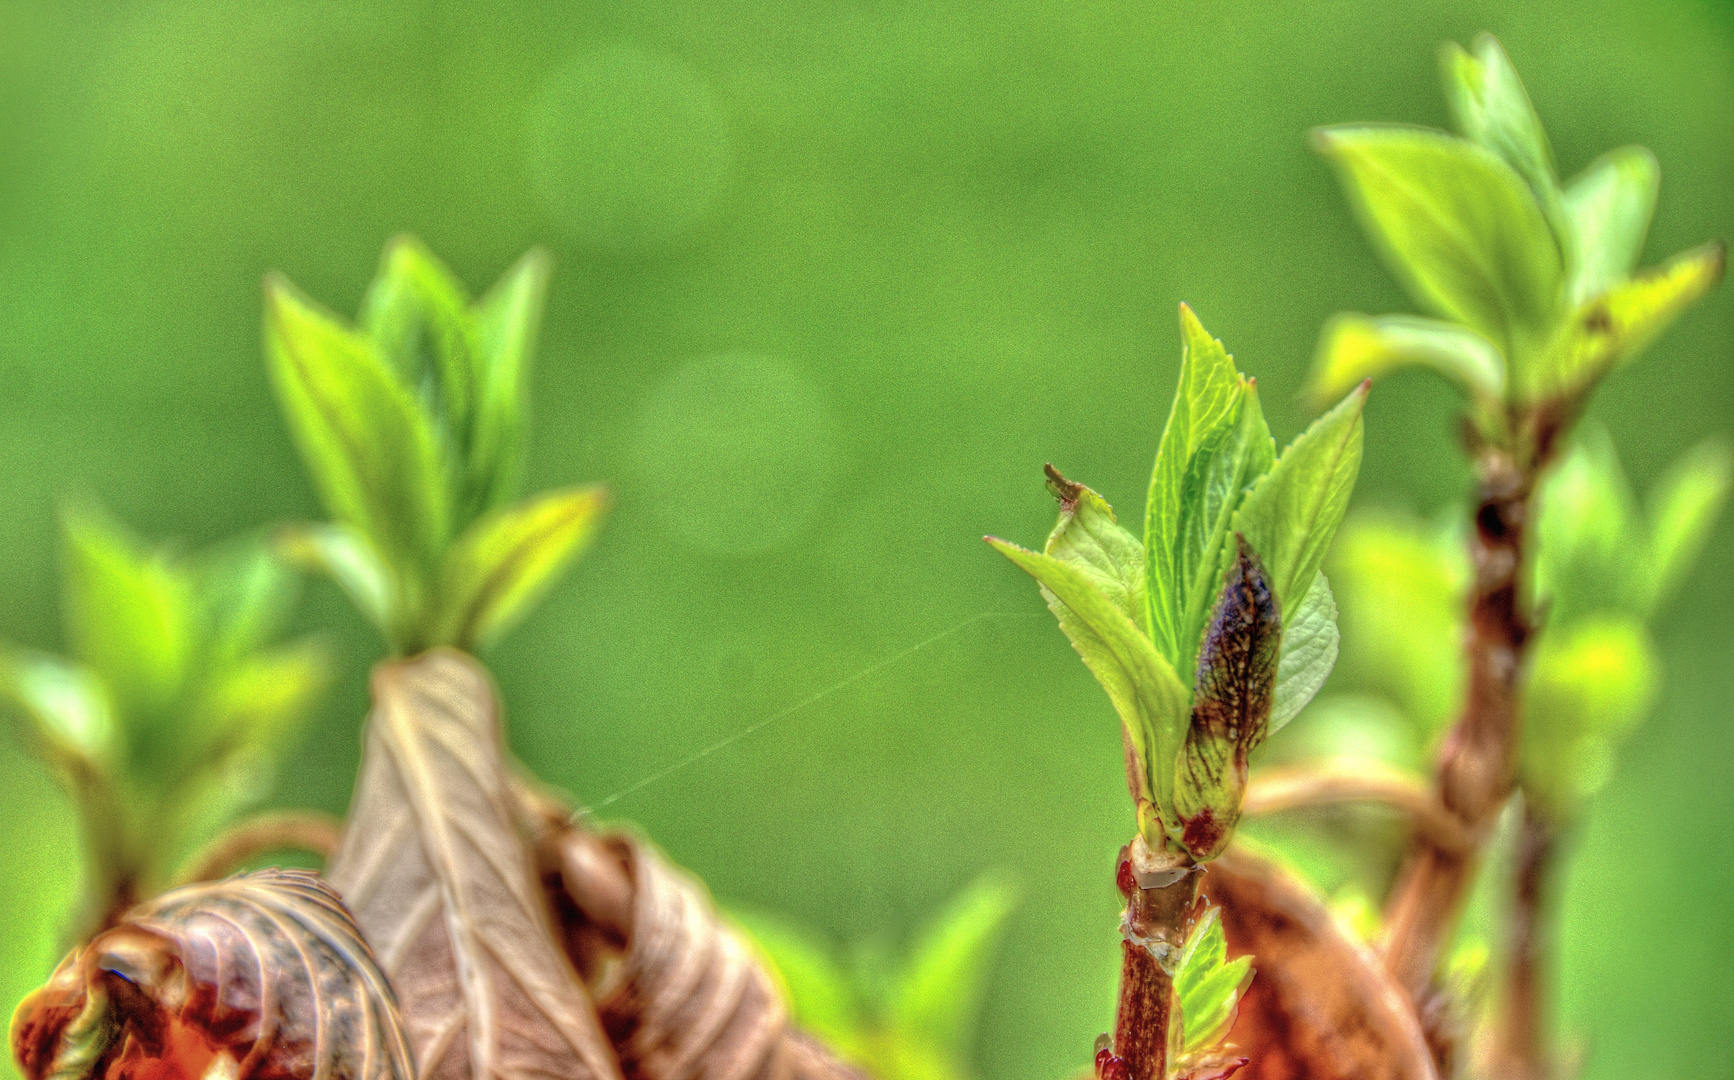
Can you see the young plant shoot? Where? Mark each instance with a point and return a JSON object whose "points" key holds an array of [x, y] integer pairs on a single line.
{"points": [[170, 710], [1208, 635], [411, 426], [1531, 300]]}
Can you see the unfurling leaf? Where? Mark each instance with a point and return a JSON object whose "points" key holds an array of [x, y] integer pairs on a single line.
{"points": [[1457, 225], [938, 994], [1207, 985], [1291, 515], [445, 890], [1683, 509], [687, 997], [66, 707], [259, 976], [505, 561], [1609, 205], [506, 317], [1493, 110], [1309, 652], [1231, 706], [1357, 347], [344, 555], [1611, 329]]}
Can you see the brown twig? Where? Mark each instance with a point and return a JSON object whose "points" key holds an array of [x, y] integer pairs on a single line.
{"points": [[1161, 901], [280, 830], [1347, 780], [1478, 762], [1521, 1049]]}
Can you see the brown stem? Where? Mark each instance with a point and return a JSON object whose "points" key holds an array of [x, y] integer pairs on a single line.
{"points": [[1343, 780], [1521, 1050], [1153, 931], [283, 830], [1478, 762]]}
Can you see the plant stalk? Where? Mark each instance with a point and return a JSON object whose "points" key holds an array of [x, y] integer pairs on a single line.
{"points": [[1478, 763], [1521, 1050], [1153, 930]]}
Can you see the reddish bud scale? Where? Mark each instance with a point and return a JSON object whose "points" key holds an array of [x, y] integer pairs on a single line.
{"points": [[1110, 1066]]}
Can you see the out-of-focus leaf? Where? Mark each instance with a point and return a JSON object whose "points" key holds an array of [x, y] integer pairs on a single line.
{"points": [[443, 887], [1590, 684], [506, 320], [256, 701], [1291, 515], [261, 975], [347, 558], [818, 989], [1152, 702], [129, 617], [366, 442], [1309, 652], [1589, 553], [1214, 444], [65, 705], [1683, 509], [938, 993], [1458, 226], [1355, 347], [1616, 326], [505, 561], [1207, 985], [1400, 590], [246, 593], [417, 313], [1609, 205], [1491, 108], [1231, 706]]}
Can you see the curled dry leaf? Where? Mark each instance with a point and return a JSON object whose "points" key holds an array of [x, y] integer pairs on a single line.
{"points": [[259, 977], [1322, 1006], [445, 889], [682, 994]]}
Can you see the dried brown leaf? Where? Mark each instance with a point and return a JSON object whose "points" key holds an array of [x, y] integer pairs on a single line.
{"points": [[1322, 1006], [444, 888], [260, 977], [683, 995]]}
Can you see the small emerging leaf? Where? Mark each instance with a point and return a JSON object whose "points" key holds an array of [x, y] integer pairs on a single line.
{"points": [[817, 988], [1208, 986], [1590, 685], [65, 705], [417, 314], [1609, 205], [1683, 510], [1492, 109], [345, 556], [1356, 347], [506, 322], [505, 561], [1458, 226], [938, 993]]}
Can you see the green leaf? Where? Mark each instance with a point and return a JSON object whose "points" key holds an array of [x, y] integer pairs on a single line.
{"points": [[1616, 326], [1590, 552], [1356, 347], [65, 706], [1210, 448], [1590, 684], [345, 556], [258, 702], [817, 987], [1309, 652], [417, 313], [506, 321], [1401, 588], [1458, 226], [367, 444], [937, 995], [509, 558], [1150, 698], [1291, 515], [1683, 508], [1208, 986], [129, 617], [1088, 536], [1492, 109], [246, 593], [1609, 205]]}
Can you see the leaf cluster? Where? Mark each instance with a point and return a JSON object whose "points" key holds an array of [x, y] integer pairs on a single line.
{"points": [[412, 425], [908, 1017], [1234, 536], [173, 698], [1528, 283], [1207, 991], [1604, 571]]}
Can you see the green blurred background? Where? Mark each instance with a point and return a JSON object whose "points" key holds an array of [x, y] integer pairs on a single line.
{"points": [[834, 280]]}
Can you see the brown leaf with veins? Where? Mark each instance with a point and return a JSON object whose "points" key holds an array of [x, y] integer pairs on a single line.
{"points": [[681, 993], [259, 977], [444, 888], [1322, 1006]]}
